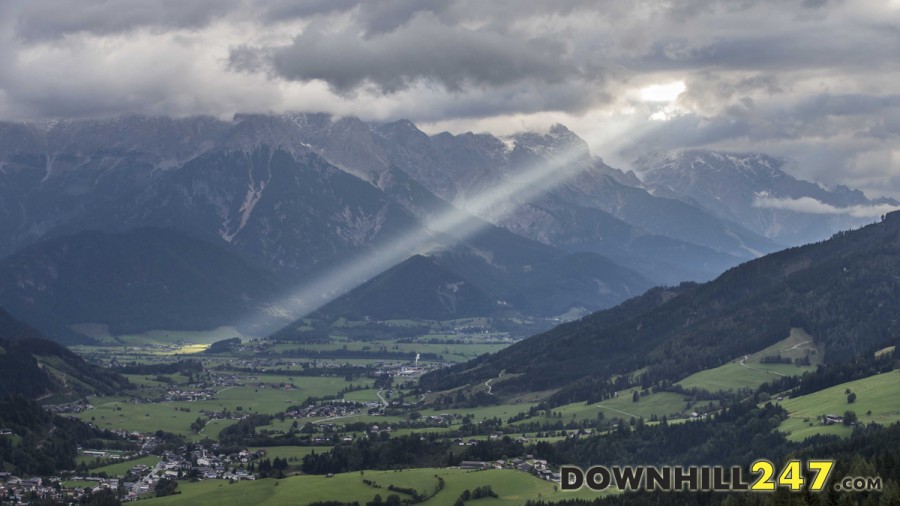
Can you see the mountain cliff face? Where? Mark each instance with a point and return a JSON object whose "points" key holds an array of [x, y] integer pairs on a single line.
{"points": [[584, 204], [844, 291], [302, 195], [259, 189], [752, 189]]}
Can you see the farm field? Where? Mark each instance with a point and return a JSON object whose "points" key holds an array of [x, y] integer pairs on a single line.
{"points": [[457, 352], [502, 411], [288, 452], [749, 372], [512, 488], [118, 413], [658, 404], [878, 395], [121, 468]]}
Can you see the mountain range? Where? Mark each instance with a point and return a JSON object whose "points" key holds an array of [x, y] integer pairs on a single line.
{"points": [[842, 291], [255, 207], [752, 189]]}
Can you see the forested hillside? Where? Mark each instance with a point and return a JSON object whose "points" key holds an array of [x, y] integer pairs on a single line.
{"points": [[845, 292]]}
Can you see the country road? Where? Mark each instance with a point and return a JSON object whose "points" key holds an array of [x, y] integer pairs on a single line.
{"points": [[743, 364], [794, 347], [488, 382], [617, 410]]}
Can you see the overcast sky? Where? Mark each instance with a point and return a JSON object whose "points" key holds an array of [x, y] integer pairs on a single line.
{"points": [[814, 80]]}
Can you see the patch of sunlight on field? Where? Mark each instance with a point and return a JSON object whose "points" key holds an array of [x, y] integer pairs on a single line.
{"points": [[172, 337], [191, 348]]}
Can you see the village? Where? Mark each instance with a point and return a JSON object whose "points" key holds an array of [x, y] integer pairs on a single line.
{"points": [[194, 463]]}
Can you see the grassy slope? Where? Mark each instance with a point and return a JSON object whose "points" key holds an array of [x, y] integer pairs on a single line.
{"points": [[733, 375], [286, 452], [879, 394], [512, 487]]}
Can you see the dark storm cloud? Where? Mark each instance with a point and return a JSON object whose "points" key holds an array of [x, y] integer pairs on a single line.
{"points": [[50, 19], [385, 16], [518, 98], [810, 79], [281, 10], [393, 44], [820, 106], [785, 51], [422, 50]]}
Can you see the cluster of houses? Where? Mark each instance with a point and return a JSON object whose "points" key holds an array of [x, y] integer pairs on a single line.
{"points": [[402, 369], [19, 490], [176, 394], [526, 464], [482, 334], [204, 463], [328, 410], [263, 363], [70, 407], [141, 479], [224, 414], [227, 380]]}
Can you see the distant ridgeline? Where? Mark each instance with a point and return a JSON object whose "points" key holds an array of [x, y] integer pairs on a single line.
{"points": [[844, 291], [142, 279], [32, 366], [47, 443], [145, 223]]}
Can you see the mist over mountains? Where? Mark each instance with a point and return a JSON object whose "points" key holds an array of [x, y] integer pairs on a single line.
{"points": [[293, 196], [752, 189]]}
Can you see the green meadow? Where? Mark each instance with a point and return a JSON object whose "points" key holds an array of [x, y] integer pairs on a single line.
{"points": [[877, 400], [258, 395], [750, 372], [459, 352], [512, 488], [121, 468], [288, 452]]}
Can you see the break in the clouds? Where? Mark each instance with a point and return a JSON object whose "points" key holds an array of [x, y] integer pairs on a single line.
{"points": [[811, 80]]}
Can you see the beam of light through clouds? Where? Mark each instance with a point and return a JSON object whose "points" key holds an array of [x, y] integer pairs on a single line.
{"points": [[497, 201], [814, 81]]}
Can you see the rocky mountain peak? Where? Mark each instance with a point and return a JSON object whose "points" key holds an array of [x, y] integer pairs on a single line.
{"points": [[754, 190], [559, 141]]}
